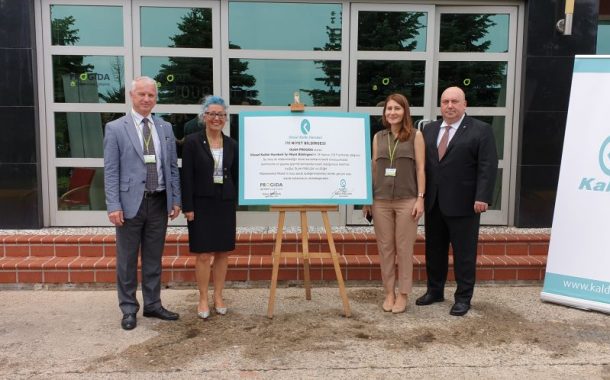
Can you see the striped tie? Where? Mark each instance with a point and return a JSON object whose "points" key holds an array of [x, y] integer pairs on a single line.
{"points": [[152, 181]]}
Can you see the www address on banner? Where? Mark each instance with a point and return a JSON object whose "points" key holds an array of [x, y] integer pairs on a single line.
{"points": [[587, 286]]}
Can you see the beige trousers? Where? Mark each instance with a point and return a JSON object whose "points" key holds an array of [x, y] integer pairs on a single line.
{"points": [[396, 232]]}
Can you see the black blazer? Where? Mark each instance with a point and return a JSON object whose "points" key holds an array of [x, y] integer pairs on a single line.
{"points": [[467, 172], [198, 169]]}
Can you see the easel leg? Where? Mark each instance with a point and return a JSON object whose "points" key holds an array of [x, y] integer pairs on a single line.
{"points": [[333, 254], [276, 262], [305, 243]]}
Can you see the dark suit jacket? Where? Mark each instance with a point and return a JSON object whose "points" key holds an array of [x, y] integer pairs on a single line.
{"points": [[466, 173], [198, 169]]}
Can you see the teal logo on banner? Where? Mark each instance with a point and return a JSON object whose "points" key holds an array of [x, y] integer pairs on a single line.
{"points": [[594, 183], [604, 156], [305, 127]]}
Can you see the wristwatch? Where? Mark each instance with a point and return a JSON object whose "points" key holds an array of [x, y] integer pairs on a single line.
{"points": [[420, 195]]}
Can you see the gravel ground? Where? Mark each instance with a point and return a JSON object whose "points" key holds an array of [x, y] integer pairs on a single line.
{"points": [[508, 334]]}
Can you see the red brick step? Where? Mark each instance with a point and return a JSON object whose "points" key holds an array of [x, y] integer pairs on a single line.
{"points": [[79, 259]]}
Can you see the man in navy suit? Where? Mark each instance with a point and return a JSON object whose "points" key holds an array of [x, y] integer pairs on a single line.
{"points": [[142, 187], [461, 166]]}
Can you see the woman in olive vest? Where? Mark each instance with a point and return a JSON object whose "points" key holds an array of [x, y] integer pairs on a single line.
{"points": [[399, 184]]}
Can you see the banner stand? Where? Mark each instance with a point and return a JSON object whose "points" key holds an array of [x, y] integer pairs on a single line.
{"points": [[577, 265], [305, 255]]}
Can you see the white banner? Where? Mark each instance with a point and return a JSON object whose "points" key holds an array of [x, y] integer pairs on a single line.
{"points": [[578, 265], [304, 158]]}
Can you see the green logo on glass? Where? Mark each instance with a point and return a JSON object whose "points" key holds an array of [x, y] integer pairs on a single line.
{"points": [[305, 127], [604, 156]]}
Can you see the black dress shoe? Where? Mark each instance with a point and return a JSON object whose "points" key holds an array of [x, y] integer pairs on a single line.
{"points": [[428, 299], [162, 313], [459, 308], [129, 321]]}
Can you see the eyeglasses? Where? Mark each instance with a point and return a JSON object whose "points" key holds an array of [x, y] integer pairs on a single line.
{"points": [[214, 115]]}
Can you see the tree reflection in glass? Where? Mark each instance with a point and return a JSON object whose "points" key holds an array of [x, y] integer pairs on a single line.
{"points": [[392, 31], [186, 80], [330, 93], [483, 82]]}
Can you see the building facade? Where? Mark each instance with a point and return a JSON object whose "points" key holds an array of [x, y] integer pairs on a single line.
{"points": [[65, 65]]}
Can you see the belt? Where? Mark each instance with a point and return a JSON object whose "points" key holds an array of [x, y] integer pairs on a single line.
{"points": [[153, 194]]}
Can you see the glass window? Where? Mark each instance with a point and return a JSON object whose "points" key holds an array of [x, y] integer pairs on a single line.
{"points": [[183, 124], [497, 126], [273, 82], [483, 82], [180, 80], [86, 25], [176, 27], [80, 189], [603, 37], [81, 134], [378, 79], [88, 79], [392, 31], [284, 26], [465, 32]]}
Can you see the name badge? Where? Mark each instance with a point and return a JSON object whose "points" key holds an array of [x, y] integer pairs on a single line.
{"points": [[217, 179], [390, 172], [150, 159]]}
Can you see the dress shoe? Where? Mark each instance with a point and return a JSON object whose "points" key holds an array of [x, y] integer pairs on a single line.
{"points": [[129, 321], [400, 305], [388, 304], [459, 308], [203, 314], [162, 313], [221, 310], [428, 299]]}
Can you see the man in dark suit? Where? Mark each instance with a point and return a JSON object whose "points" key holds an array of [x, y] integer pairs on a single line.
{"points": [[461, 165], [142, 188]]}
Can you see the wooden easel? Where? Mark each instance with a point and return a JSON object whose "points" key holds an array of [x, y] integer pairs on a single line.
{"points": [[305, 255]]}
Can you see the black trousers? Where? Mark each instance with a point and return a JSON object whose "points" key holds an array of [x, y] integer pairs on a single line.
{"points": [[462, 232], [143, 233]]}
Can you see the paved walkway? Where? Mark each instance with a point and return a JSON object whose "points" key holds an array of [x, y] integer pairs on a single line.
{"points": [[509, 334]]}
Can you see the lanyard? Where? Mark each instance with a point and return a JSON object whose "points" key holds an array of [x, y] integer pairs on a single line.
{"points": [[147, 141], [141, 131], [392, 150], [216, 157]]}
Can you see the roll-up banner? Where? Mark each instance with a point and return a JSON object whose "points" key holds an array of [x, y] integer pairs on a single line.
{"points": [[578, 265]]}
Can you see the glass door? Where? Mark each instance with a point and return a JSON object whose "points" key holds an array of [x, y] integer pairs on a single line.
{"points": [[92, 52], [391, 50], [476, 49], [421, 50]]}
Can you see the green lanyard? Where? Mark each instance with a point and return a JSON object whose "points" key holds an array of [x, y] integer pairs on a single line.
{"points": [[147, 142], [392, 150]]}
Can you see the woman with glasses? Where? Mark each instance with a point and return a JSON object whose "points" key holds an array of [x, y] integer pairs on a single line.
{"points": [[209, 201]]}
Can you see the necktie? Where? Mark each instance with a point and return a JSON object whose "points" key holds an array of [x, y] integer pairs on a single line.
{"points": [[442, 146], [152, 181]]}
